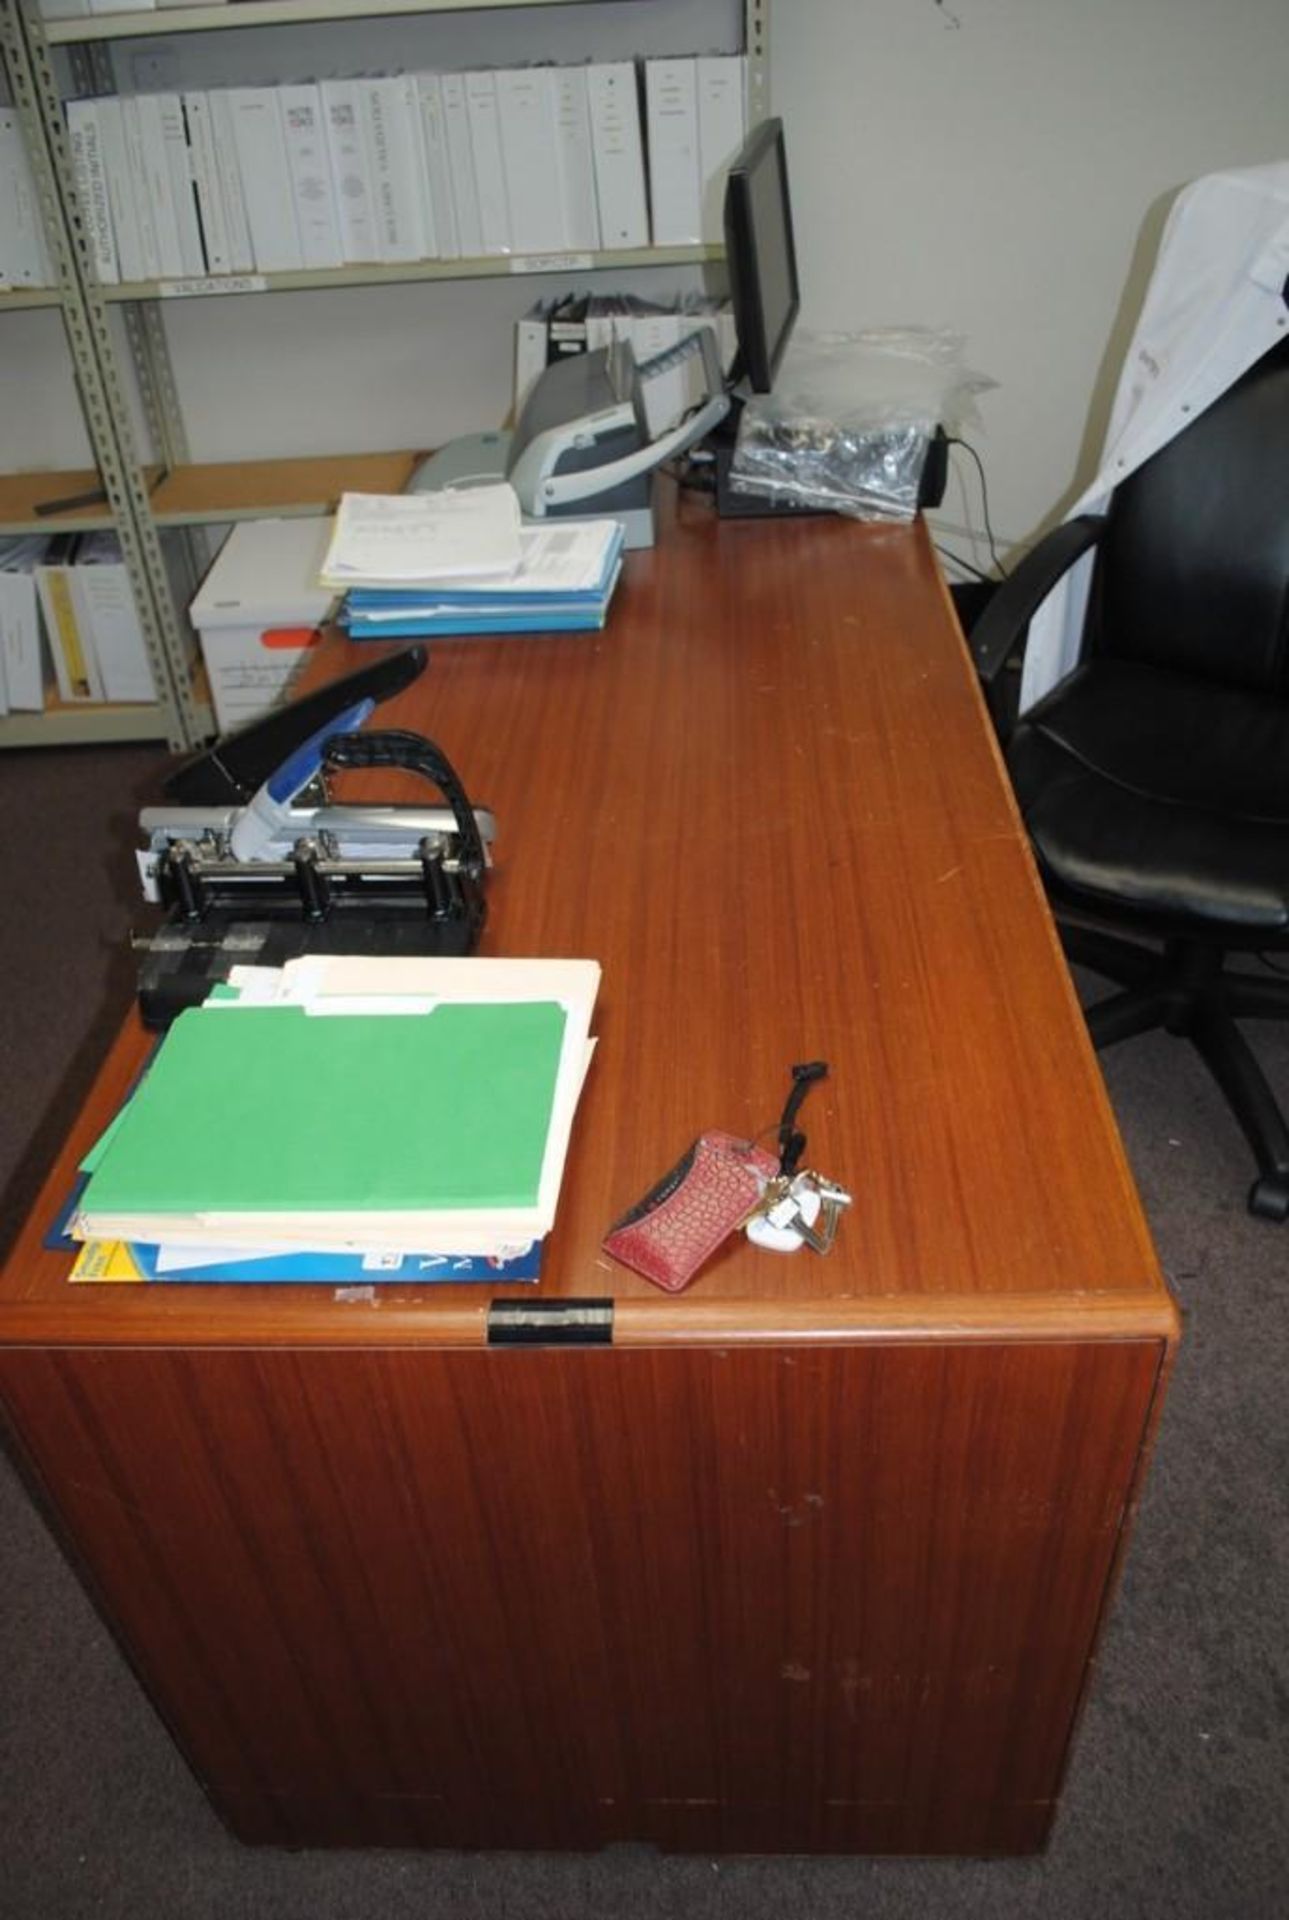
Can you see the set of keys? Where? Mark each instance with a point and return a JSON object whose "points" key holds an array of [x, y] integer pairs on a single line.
{"points": [[798, 1210], [798, 1207]]}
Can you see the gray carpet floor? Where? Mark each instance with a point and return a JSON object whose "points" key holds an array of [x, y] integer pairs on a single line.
{"points": [[1176, 1802]]}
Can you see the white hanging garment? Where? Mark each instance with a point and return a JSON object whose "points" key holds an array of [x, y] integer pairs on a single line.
{"points": [[1215, 305]]}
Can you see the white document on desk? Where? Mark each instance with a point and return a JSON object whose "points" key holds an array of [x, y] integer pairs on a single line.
{"points": [[570, 557], [400, 540]]}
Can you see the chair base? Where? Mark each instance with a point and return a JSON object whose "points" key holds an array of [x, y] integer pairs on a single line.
{"points": [[1189, 991]]}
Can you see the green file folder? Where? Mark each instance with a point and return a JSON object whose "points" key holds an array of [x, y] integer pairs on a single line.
{"points": [[274, 1109]]}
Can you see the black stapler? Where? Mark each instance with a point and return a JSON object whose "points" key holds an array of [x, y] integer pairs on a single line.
{"points": [[254, 865]]}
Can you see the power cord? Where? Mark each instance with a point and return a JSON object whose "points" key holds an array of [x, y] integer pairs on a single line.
{"points": [[967, 566], [955, 440], [689, 475]]}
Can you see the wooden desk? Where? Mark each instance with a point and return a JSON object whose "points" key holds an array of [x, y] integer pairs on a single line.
{"points": [[813, 1557]]}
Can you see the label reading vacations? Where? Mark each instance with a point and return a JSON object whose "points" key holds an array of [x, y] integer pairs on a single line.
{"points": [[550, 262], [198, 288]]}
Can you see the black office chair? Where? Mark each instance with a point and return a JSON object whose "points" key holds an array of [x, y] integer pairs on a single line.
{"points": [[1154, 780]]}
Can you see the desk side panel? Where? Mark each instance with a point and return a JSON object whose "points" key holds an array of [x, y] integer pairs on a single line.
{"points": [[773, 1600]]}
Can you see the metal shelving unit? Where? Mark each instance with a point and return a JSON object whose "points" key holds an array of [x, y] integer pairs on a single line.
{"points": [[117, 476], [179, 493]]}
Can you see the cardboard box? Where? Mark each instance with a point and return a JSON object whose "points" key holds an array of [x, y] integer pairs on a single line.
{"points": [[259, 612]]}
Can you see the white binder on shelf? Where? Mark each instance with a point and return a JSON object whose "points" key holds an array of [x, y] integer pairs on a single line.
{"points": [[174, 136], [529, 158], [86, 145], [136, 168], [420, 169], [241, 253], [614, 103], [21, 678], [107, 613], [465, 194], [675, 184], [206, 183], [160, 184], [24, 255], [574, 159], [438, 165], [531, 340], [344, 113], [489, 168], [126, 227], [722, 123], [266, 179], [309, 164], [393, 144]]}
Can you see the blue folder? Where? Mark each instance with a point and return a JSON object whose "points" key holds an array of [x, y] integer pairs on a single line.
{"points": [[446, 609]]}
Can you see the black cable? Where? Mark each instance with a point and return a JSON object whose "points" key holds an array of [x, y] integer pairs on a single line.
{"points": [[955, 440], [688, 478], [958, 561], [1273, 966]]}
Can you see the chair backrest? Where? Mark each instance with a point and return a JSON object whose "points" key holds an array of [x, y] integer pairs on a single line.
{"points": [[1193, 570]]}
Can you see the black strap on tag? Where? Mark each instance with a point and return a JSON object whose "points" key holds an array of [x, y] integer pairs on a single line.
{"points": [[791, 1143]]}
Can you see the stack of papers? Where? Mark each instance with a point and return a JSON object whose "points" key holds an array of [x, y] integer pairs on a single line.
{"points": [[407, 540], [563, 583], [412, 1116]]}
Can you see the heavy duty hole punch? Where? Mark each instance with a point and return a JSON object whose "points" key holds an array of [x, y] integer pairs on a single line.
{"points": [[249, 873]]}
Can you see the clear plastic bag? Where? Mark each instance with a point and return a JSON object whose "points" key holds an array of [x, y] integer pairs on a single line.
{"points": [[850, 420]]}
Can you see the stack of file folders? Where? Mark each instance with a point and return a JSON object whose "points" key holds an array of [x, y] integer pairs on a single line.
{"points": [[563, 583], [347, 1118]]}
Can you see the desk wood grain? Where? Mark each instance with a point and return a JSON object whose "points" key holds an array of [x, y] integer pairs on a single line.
{"points": [[766, 800]]}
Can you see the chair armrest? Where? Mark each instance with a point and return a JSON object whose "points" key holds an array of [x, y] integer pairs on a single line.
{"points": [[1000, 630]]}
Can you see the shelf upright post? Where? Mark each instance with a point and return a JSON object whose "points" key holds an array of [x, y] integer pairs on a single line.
{"points": [[91, 65], [103, 400], [154, 374], [158, 392], [756, 46], [145, 333]]}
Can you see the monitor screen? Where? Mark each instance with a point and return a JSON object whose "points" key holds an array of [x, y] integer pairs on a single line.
{"points": [[761, 254]]}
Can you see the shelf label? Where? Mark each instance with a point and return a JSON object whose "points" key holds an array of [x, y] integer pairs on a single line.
{"points": [[199, 287], [551, 262]]}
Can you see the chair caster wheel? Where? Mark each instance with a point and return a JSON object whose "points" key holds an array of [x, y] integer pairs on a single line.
{"points": [[1269, 1197]]}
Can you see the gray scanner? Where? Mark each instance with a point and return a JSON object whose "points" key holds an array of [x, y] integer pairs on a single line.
{"points": [[585, 442]]}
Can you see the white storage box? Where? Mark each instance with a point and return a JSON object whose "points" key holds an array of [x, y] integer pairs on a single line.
{"points": [[259, 611]]}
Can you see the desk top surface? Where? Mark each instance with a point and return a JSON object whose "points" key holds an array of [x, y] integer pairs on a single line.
{"points": [[768, 801]]}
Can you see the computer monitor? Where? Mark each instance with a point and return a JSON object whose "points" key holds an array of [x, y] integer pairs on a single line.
{"points": [[761, 255]]}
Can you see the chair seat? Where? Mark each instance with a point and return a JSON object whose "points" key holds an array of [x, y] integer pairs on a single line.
{"points": [[1161, 794]]}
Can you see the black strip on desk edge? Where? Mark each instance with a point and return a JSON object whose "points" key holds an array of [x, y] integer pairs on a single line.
{"points": [[550, 1323]]}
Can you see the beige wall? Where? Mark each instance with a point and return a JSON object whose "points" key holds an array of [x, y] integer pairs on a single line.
{"points": [[1008, 176], [998, 166]]}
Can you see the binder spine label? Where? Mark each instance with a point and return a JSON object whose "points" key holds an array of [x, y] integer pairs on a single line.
{"points": [[550, 263], [200, 288]]}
